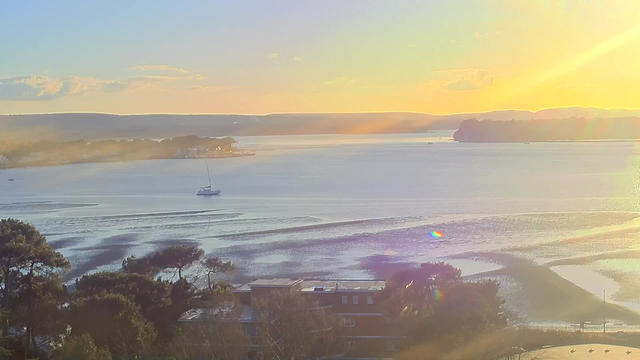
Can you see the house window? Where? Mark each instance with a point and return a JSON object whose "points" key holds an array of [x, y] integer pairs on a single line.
{"points": [[391, 346], [348, 322], [348, 345], [370, 300], [253, 331], [355, 299], [345, 299]]}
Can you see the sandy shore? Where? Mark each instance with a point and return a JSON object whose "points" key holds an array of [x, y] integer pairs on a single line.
{"points": [[582, 352], [539, 294]]}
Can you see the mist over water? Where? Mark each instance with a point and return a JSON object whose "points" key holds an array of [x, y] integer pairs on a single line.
{"points": [[345, 206]]}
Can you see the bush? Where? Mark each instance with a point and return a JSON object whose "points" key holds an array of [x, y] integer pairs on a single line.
{"points": [[81, 347]]}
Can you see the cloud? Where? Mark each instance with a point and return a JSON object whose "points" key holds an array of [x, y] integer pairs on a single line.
{"points": [[412, 45], [458, 79], [471, 81], [160, 68], [184, 74], [35, 87], [273, 56], [453, 71], [192, 77], [341, 80], [205, 88], [135, 82], [487, 34], [297, 58]]}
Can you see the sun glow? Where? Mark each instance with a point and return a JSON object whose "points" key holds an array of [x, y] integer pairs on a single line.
{"points": [[540, 77]]}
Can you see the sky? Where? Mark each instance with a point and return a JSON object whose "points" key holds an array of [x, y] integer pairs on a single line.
{"points": [[257, 56]]}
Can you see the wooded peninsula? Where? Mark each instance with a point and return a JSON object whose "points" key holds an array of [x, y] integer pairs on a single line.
{"points": [[44, 153], [569, 129]]}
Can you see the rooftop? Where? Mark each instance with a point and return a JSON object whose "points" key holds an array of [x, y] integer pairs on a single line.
{"points": [[316, 285], [342, 285], [275, 282], [229, 312]]}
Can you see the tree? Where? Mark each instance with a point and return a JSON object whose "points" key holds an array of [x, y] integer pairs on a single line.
{"points": [[293, 326], [114, 321], [149, 294], [183, 294], [410, 293], [153, 297], [5, 352], [39, 308], [214, 265], [182, 299], [80, 347], [217, 335], [469, 310], [433, 301], [139, 265], [26, 263], [176, 257], [220, 293]]}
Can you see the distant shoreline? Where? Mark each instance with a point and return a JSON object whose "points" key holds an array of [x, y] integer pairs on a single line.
{"points": [[94, 126], [125, 160], [567, 129]]}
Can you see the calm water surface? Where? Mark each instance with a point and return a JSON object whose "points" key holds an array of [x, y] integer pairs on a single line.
{"points": [[356, 206]]}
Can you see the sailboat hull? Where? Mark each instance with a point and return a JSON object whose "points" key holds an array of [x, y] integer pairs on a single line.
{"points": [[208, 192]]}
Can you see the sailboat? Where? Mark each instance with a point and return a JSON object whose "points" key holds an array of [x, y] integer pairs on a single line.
{"points": [[208, 190]]}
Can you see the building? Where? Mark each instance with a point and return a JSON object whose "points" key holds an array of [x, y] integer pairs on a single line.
{"points": [[4, 161], [191, 152], [366, 332], [34, 157]]}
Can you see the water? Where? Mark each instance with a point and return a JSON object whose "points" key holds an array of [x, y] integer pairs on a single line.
{"points": [[341, 206]]}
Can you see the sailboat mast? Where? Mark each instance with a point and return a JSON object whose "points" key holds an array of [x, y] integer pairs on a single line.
{"points": [[208, 174]]}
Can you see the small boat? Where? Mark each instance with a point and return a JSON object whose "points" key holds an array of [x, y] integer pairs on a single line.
{"points": [[429, 143], [208, 190], [10, 179]]}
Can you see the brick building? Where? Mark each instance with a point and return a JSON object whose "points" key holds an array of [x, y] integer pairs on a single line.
{"points": [[365, 333]]}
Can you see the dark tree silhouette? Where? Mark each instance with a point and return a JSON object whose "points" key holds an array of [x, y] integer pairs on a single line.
{"points": [[152, 296], [433, 301], [27, 266], [80, 347], [410, 293], [293, 326], [176, 257], [214, 265], [113, 321], [139, 265]]}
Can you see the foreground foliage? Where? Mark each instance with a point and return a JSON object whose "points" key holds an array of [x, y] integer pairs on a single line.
{"points": [[125, 315], [133, 313], [81, 347]]}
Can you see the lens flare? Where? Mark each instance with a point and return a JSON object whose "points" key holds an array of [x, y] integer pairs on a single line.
{"points": [[436, 234], [437, 294]]}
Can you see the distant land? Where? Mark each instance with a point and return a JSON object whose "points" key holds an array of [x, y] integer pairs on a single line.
{"points": [[572, 129], [48, 153], [92, 126]]}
